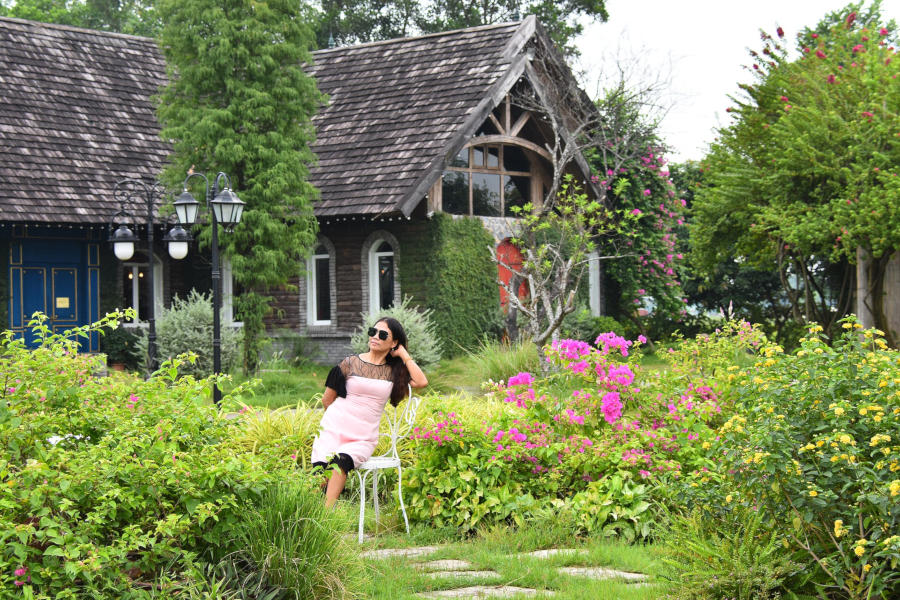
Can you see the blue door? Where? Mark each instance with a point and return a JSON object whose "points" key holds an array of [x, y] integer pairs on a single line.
{"points": [[59, 278]]}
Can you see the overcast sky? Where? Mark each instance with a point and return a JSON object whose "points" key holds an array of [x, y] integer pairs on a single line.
{"points": [[697, 48]]}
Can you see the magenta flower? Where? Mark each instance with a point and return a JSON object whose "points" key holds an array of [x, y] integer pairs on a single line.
{"points": [[831, 78], [820, 54], [20, 571], [636, 212], [523, 378], [857, 48], [647, 192], [611, 407], [883, 31]]}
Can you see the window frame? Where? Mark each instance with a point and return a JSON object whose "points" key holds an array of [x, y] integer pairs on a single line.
{"points": [[312, 286], [499, 170]]}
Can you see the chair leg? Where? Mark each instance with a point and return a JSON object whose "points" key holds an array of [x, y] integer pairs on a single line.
{"points": [[375, 496], [362, 503], [400, 493]]}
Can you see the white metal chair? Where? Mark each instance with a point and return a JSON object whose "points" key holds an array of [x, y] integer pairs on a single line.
{"points": [[401, 419]]}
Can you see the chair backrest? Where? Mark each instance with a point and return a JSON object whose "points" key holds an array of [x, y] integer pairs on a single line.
{"points": [[401, 419]]}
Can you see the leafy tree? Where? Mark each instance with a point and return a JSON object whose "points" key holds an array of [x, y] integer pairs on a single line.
{"points": [[136, 17], [804, 180], [352, 21], [239, 102]]}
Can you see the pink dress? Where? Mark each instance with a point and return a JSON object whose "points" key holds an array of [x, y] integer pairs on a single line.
{"points": [[350, 424]]}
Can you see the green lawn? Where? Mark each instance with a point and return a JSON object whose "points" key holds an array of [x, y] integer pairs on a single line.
{"points": [[502, 550]]}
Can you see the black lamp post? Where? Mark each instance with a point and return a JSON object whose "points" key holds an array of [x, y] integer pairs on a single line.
{"points": [[123, 239], [226, 208]]}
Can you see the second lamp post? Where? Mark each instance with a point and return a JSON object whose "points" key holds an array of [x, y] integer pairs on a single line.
{"points": [[225, 208]]}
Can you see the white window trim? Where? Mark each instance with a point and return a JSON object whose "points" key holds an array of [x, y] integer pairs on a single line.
{"points": [[312, 287], [135, 288], [596, 293], [369, 259], [374, 283], [228, 293]]}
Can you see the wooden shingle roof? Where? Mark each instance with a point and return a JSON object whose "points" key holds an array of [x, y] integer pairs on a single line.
{"points": [[76, 116], [396, 107]]}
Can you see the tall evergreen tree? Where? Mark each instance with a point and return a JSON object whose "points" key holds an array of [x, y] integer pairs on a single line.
{"points": [[239, 102]]}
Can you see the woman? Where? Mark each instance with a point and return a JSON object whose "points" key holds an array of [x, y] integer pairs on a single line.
{"points": [[356, 392]]}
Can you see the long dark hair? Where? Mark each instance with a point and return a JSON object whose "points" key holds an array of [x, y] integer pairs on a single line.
{"points": [[399, 372]]}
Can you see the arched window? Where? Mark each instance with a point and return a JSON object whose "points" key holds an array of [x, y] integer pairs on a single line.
{"points": [[319, 286], [381, 277], [317, 298]]}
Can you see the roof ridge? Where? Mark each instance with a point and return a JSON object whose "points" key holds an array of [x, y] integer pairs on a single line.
{"points": [[72, 28], [423, 36]]}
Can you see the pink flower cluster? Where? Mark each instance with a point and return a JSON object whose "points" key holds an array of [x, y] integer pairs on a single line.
{"points": [[444, 430]]}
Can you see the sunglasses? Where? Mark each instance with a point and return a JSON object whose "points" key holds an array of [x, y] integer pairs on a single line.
{"points": [[381, 333]]}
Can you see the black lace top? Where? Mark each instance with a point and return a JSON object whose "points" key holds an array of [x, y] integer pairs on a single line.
{"points": [[354, 365]]}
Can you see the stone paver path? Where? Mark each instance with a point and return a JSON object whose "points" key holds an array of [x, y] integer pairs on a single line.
{"points": [[461, 569], [463, 574], [552, 552], [480, 591], [448, 564], [602, 573], [403, 552]]}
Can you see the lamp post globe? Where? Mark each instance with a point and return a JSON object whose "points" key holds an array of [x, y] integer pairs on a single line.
{"points": [[123, 240], [228, 208], [186, 207], [178, 241]]}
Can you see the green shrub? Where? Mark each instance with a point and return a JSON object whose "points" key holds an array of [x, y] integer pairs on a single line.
{"points": [[735, 556], [584, 326], [108, 484], [187, 326], [288, 542], [120, 346], [497, 361], [424, 345], [454, 275]]}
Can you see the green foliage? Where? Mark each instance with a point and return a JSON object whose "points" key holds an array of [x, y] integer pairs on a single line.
{"points": [[120, 346], [135, 17], [364, 20], [289, 543], [238, 101], [611, 506], [735, 556], [187, 327], [497, 360], [556, 243], [459, 281], [811, 440], [584, 326], [424, 344], [807, 170], [109, 482]]}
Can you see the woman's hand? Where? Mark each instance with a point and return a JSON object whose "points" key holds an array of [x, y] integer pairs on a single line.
{"points": [[417, 378], [399, 351]]}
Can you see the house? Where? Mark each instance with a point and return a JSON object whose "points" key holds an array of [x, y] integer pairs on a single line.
{"points": [[413, 127]]}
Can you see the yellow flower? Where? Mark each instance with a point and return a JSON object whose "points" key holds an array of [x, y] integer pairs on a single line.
{"points": [[818, 351], [859, 550], [895, 487], [867, 567], [847, 325], [813, 493], [857, 326], [863, 411], [839, 528], [705, 445], [838, 411], [728, 498]]}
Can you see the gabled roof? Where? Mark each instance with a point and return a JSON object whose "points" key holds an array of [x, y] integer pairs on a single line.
{"points": [[76, 115], [397, 107]]}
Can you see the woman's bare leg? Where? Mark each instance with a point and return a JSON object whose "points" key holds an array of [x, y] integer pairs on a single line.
{"points": [[335, 487]]}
